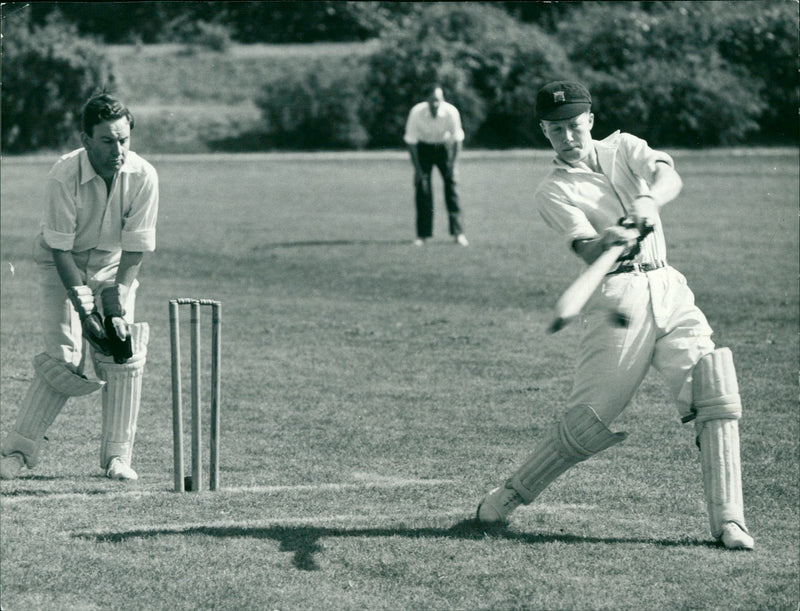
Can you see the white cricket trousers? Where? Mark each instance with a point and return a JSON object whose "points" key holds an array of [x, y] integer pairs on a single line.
{"points": [[667, 330]]}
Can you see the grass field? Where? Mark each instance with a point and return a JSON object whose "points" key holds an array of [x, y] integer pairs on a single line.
{"points": [[374, 391]]}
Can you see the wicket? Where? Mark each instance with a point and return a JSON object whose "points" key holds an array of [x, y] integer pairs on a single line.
{"points": [[177, 400]]}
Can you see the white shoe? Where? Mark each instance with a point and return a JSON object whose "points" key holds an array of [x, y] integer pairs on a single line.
{"points": [[117, 469], [11, 465], [419, 242], [461, 240], [734, 537], [495, 506]]}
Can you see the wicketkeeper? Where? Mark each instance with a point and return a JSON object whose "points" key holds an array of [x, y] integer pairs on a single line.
{"points": [[99, 219], [590, 188]]}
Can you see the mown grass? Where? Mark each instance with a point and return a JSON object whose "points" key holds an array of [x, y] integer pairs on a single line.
{"points": [[373, 392]]}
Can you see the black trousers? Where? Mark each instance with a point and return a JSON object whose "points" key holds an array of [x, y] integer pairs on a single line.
{"points": [[431, 155]]}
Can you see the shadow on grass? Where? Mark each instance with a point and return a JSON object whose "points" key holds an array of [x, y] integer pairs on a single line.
{"points": [[304, 541]]}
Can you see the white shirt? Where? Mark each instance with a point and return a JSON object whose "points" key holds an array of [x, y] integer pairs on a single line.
{"points": [[444, 128], [580, 204], [82, 214]]}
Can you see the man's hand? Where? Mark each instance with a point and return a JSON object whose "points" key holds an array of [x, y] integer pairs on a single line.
{"points": [[82, 300], [644, 212], [116, 327], [619, 235]]}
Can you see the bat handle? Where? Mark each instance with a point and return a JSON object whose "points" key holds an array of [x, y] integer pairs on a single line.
{"points": [[573, 300]]}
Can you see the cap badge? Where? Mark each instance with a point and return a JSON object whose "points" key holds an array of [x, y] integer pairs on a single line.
{"points": [[558, 96]]}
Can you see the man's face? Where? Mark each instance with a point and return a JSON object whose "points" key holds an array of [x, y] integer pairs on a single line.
{"points": [[108, 145], [571, 138], [435, 99]]}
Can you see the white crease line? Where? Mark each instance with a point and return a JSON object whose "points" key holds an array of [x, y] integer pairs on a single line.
{"points": [[381, 482]]}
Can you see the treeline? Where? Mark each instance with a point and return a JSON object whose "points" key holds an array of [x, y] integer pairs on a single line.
{"points": [[690, 74], [256, 22]]}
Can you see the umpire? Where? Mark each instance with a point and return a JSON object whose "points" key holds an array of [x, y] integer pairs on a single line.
{"points": [[434, 137]]}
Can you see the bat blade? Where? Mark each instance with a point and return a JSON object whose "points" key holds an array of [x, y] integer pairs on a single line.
{"points": [[572, 301]]}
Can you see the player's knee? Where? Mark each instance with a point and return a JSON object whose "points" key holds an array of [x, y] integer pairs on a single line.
{"points": [[581, 433], [715, 390], [61, 378]]}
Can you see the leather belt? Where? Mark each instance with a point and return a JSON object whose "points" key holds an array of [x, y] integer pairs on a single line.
{"points": [[624, 268]]}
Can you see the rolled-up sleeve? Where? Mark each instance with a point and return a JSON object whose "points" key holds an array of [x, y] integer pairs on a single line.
{"points": [[60, 216], [139, 221], [411, 135], [458, 130], [641, 158]]}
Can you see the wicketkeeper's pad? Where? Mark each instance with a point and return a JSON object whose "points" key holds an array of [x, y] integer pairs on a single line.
{"points": [[63, 379], [122, 396]]}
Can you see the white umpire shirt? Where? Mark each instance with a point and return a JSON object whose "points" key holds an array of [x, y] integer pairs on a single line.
{"points": [[444, 128]]}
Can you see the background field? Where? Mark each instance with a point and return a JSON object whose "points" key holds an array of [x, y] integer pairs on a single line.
{"points": [[373, 392]]}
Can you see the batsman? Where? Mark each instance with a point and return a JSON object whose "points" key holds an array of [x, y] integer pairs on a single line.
{"points": [[598, 195], [100, 209]]}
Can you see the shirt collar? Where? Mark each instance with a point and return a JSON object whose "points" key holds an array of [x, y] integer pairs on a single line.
{"points": [[88, 172], [605, 156]]}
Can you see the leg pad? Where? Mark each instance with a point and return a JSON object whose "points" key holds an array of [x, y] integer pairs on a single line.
{"points": [[39, 409], [579, 435], [122, 397]]}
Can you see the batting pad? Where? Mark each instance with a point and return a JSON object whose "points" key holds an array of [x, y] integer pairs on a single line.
{"points": [[715, 391], [579, 435], [722, 475], [122, 397], [39, 409], [62, 379]]}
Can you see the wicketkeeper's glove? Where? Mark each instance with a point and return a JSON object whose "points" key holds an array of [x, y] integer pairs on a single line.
{"points": [[116, 327], [91, 323]]}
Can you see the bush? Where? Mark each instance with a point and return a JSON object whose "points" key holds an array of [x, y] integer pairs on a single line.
{"points": [[489, 65], [693, 104], [315, 107], [48, 73], [690, 74], [764, 42], [197, 33]]}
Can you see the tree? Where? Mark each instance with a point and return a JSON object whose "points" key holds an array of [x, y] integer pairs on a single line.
{"points": [[48, 73]]}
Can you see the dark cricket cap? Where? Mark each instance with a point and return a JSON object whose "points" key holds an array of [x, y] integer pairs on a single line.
{"points": [[562, 100]]}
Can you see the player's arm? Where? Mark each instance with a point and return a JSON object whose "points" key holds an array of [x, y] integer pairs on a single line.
{"points": [[590, 249], [67, 269], [82, 299], [414, 152], [130, 263], [453, 150], [665, 186], [113, 299]]}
